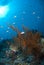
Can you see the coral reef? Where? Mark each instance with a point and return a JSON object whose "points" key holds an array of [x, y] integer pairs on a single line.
{"points": [[27, 48]]}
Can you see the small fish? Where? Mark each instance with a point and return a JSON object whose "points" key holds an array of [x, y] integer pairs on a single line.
{"points": [[13, 48]]}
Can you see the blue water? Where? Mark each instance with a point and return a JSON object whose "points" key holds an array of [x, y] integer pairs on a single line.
{"points": [[27, 12]]}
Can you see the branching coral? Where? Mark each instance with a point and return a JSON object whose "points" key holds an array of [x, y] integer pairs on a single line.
{"points": [[30, 43]]}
